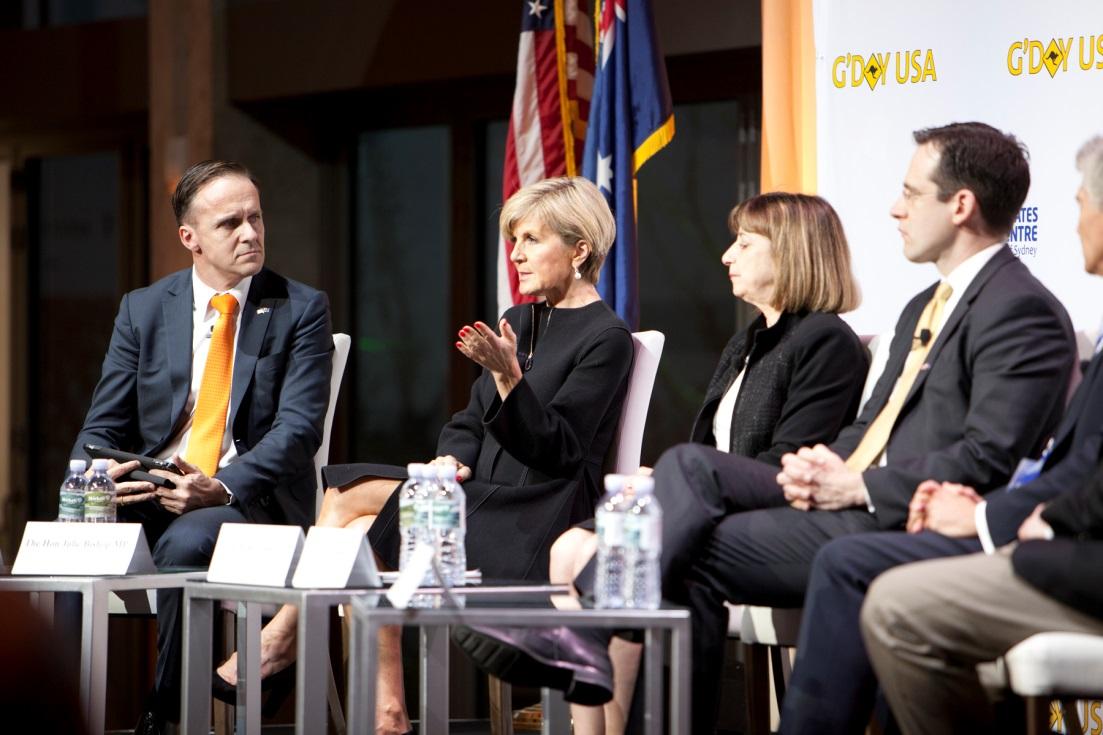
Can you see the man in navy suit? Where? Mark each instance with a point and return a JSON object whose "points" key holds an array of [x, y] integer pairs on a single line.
{"points": [[153, 379], [833, 684], [938, 619], [968, 388]]}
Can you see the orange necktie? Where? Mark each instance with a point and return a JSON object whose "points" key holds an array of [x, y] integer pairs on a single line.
{"points": [[877, 435], [209, 424]]}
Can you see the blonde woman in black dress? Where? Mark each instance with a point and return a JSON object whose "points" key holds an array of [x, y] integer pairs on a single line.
{"points": [[531, 442]]}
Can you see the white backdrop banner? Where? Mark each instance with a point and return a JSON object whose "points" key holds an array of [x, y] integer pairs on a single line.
{"points": [[1032, 69]]}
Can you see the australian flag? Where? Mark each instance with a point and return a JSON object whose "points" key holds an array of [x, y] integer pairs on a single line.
{"points": [[631, 119]]}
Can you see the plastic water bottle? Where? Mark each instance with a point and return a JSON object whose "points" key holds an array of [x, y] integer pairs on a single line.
{"points": [[408, 526], [424, 497], [99, 497], [609, 591], [450, 525], [71, 503], [643, 533]]}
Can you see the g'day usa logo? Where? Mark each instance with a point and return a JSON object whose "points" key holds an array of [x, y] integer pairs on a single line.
{"points": [[881, 68], [1055, 56]]}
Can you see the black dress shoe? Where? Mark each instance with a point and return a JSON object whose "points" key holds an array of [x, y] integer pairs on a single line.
{"points": [[150, 723], [575, 660]]}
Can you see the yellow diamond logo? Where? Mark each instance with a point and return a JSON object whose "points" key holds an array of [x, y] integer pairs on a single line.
{"points": [[872, 72], [1052, 58]]}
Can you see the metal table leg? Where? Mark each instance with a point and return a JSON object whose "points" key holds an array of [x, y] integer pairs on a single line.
{"points": [[653, 681], [557, 713], [363, 672], [247, 712], [433, 701], [93, 656], [313, 657], [680, 667], [197, 664]]}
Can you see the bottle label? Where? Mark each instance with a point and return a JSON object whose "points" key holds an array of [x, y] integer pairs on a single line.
{"points": [[446, 516], [643, 532], [95, 504], [406, 514], [610, 529], [71, 506], [423, 510]]}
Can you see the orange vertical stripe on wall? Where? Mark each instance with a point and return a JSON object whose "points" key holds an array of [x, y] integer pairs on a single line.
{"points": [[788, 97]]}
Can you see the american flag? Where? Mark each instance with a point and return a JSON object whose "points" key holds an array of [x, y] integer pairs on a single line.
{"points": [[551, 104], [632, 120]]}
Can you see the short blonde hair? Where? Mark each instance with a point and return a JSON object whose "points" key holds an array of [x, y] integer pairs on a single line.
{"points": [[572, 208], [809, 249]]}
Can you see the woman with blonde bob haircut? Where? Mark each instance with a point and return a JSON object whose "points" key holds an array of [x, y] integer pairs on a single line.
{"points": [[793, 378], [529, 447]]}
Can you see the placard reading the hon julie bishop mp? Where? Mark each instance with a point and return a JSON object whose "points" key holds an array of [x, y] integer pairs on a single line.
{"points": [[83, 549], [335, 558], [255, 553]]}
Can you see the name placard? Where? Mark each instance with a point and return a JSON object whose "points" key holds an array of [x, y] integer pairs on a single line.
{"points": [[83, 549], [255, 553], [335, 558]]}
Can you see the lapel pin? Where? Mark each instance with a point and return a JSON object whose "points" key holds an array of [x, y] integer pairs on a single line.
{"points": [[263, 310]]}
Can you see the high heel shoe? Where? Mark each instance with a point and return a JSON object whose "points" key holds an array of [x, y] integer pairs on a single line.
{"points": [[279, 685]]}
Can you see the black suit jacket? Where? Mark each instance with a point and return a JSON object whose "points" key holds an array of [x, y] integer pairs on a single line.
{"points": [[1069, 568], [1070, 466], [802, 383], [992, 392], [278, 400]]}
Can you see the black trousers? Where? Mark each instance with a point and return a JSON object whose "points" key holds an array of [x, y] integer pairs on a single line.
{"points": [[833, 687], [178, 541], [729, 535]]}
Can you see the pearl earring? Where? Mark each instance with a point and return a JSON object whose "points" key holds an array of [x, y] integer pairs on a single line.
{"points": [[577, 274]]}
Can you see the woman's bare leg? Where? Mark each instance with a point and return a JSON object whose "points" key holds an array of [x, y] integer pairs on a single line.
{"points": [[354, 506], [569, 554]]}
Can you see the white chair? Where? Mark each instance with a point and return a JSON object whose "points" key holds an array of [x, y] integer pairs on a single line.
{"points": [[341, 344], [628, 440], [1061, 666], [623, 458]]}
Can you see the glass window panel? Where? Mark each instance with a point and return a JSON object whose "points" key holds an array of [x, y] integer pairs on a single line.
{"points": [[401, 293], [685, 194]]}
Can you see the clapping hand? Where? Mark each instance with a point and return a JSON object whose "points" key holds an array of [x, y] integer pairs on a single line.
{"points": [[498, 354]]}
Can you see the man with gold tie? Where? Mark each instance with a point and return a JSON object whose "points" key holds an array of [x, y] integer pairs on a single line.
{"points": [[976, 375], [222, 368]]}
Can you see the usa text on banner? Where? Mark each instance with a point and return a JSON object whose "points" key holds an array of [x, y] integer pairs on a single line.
{"points": [[631, 120], [551, 102]]}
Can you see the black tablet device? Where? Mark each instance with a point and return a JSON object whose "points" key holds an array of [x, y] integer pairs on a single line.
{"points": [[148, 463]]}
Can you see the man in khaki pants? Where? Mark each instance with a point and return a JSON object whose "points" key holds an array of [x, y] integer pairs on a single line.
{"points": [[927, 625]]}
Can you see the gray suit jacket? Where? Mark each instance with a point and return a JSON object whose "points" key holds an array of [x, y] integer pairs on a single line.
{"points": [[993, 392], [277, 403]]}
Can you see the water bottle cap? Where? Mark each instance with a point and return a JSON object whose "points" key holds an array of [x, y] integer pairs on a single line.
{"points": [[446, 471], [641, 484], [99, 464], [614, 483], [77, 465], [414, 469]]}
